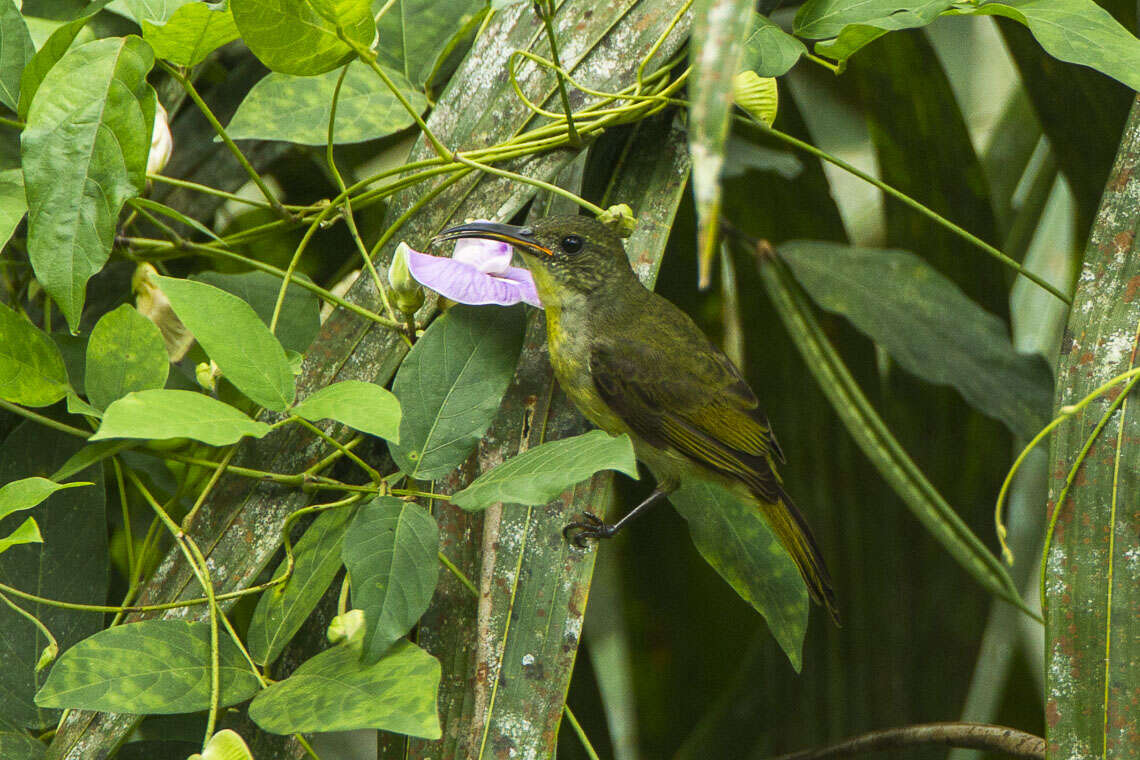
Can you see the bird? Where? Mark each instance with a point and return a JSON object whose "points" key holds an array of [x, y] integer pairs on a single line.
{"points": [[632, 362]]}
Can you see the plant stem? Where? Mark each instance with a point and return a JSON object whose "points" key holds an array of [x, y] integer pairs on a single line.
{"points": [[46, 421], [911, 202], [545, 12], [217, 125], [967, 735]]}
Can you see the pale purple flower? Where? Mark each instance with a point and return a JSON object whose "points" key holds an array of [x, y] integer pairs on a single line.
{"points": [[478, 272]]}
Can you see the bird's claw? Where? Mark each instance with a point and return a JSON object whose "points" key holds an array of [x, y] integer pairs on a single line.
{"points": [[588, 526]]}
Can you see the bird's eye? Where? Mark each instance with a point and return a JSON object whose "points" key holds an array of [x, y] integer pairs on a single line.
{"points": [[571, 244]]}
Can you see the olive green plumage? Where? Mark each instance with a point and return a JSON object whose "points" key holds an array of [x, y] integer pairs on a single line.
{"points": [[634, 363]]}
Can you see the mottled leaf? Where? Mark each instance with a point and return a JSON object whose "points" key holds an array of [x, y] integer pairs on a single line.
{"points": [[31, 366], [538, 475], [156, 667], [450, 386], [84, 152], [731, 535], [301, 36], [334, 691], [125, 353], [282, 610], [928, 325], [162, 414], [391, 554], [362, 406], [365, 109], [1090, 581], [235, 338]]}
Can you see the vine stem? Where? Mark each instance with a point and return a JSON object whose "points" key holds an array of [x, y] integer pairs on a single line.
{"points": [[981, 736], [45, 421], [217, 125], [911, 202], [546, 13]]}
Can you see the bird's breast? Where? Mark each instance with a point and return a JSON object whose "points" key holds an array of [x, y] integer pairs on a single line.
{"points": [[570, 356]]}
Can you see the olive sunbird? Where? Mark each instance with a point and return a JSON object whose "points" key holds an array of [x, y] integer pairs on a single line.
{"points": [[634, 363]]}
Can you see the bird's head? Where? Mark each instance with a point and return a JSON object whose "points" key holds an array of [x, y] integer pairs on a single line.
{"points": [[566, 254]]}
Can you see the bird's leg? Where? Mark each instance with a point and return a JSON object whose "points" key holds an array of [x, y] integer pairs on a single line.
{"points": [[592, 526]]}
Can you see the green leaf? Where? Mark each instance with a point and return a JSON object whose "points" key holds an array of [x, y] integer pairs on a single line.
{"points": [[877, 442], [89, 455], [18, 745], [362, 406], [233, 336], [178, 216], [928, 325], [540, 474], [301, 36], [27, 533], [125, 353], [334, 691], [162, 414], [297, 109], [13, 202], [769, 50], [414, 33], [31, 366], [194, 31], [84, 153], [45, 58], [70, 566], [450, 386], [281, 611], [155, 11], [300, 318], [730, 533], [719, 28], [16, 50], [28, 492], [1076, 31], [391, 551], [854, 23], [156, 667]]}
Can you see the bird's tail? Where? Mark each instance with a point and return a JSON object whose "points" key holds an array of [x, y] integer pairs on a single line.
{"points": [[794, 534]]}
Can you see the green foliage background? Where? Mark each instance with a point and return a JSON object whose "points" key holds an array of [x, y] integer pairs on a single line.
{"points": [[228, 501]]}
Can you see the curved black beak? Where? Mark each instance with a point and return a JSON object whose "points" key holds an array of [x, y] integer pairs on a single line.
{"points": [[520, 237]]}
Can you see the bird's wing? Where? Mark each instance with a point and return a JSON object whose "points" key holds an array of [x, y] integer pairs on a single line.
{"points": [[711, 416]]}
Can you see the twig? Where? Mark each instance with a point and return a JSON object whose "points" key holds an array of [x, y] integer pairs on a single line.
{"points": [[982, 736]]}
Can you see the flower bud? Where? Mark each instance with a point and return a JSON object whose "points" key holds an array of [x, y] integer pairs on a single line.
{"points": [[347, 627], [406, 292], [161, 142], [153, 304], [207, 374], [620, 219]]}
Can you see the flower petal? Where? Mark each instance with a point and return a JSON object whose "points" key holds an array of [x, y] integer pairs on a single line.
{"points": [[464, 283], [526, 284], [488, 256]]}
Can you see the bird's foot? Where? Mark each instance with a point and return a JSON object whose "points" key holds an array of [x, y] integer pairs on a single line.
{"points": [[589, 526]]}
